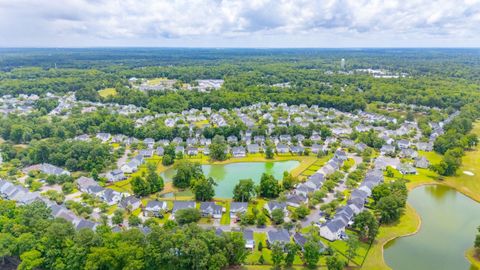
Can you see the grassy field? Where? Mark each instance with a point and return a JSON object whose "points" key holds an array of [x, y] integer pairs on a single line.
{"points": [[107, 92], [473, 258]]}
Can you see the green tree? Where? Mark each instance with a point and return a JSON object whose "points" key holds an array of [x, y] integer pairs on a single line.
{"points": [[291, 250], [203, 188], [352, 247], [117, 217], [188, 215], [154, 180], [30, 260], [269, 187], [311, 252], [288, 181], [186, 172], [218, 148], [269, 152], [278, 216], [7, 242], [302, 211], [277, 254], [334, 263], [244, 190], [140, 187], [261, 220], [167, 160], [366, 223], [134, 221]]}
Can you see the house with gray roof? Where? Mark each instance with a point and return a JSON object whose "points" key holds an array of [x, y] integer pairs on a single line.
{"points": [[280, 236], [84, 182], [115, 175], [295, 200], [211, 209], [421, 162], [239, 151], [130, 202], [155, 209], [253, 148], [332, 229], [272, 205], [249, 240], [300, 240], [237, 209], [282, 148], [178, 205]]}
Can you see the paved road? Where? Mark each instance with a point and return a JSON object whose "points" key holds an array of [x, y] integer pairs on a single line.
{"points": [[315, 214]]}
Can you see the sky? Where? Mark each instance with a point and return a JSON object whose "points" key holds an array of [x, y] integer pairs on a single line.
{"points": [[240, 23]]}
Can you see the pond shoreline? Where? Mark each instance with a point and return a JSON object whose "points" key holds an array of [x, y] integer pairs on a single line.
{"points": [[419, 219]]}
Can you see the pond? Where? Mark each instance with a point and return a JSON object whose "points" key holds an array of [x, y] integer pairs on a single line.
{"points": [[228, 175], [449, 222]]}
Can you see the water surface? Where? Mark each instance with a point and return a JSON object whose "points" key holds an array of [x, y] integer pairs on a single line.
{"points": [[449, 222], [228, 175]]}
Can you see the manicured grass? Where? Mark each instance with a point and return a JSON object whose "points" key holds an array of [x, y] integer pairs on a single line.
{"points": [[408, 224], [473, 258], [107, 92], [341, 247], [225, 220], [201, 123], [254, 256], [156, 81]]}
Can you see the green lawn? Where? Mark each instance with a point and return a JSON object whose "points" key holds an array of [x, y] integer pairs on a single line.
{"points": [[107, 92]]}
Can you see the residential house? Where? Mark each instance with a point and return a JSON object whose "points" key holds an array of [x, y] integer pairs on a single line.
{"points": [[295, 200], [103, 137], [421, 162], [272, 205], [300, 240], [211, 209], [160, 151], [403, 144], [115, 175], [178, 205], [239, 151], [192, 151], [333, 229], [296, 149], [387, 149], [111, 196], [341, 155], [425, 146], [155, 209], [249, 240], [146, 153], [282, 148], [406, 168], [131, 202], [253, 148], [84, 182], [280, 236], [237, 209]]}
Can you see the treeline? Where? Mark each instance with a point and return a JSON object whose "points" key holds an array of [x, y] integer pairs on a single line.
{"points": [[456, 139], [41, 242], [74, 155]]}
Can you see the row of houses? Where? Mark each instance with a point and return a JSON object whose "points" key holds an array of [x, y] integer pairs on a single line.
{"points": [[314, 182], [23, 196], [334, 228]]}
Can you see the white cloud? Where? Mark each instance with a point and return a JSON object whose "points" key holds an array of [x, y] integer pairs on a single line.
{"points": [[196, 22]]}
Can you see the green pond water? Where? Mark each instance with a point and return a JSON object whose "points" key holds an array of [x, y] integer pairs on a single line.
{"points": [[228, 175], [449, 222]]}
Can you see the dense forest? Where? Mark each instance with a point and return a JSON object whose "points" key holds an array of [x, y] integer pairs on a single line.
{"points": [[442, 78]]}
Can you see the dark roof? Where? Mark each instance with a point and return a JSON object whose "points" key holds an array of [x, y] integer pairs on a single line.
{"points": [[281, 236]]}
